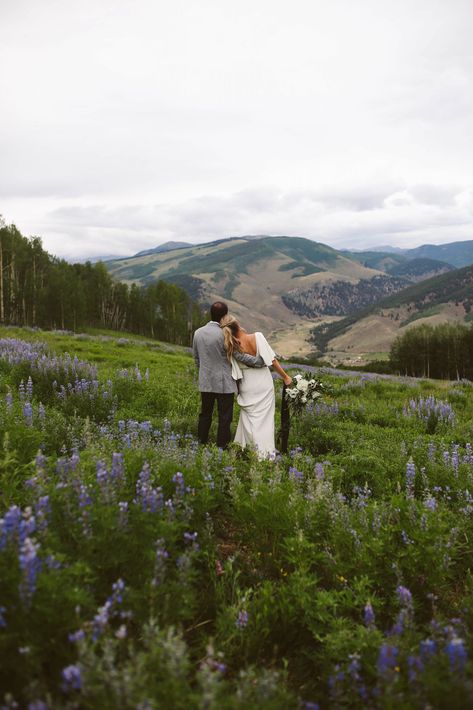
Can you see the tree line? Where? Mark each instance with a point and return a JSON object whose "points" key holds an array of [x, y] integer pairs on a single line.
{"points": [[444, 351], [40, 290]]}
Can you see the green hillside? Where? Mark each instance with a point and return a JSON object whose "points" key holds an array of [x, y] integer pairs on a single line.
{"points": [[420, 268], [253, 275], [383, 261], [422, 298], [140, 570], [457, 254], [237, 256]]}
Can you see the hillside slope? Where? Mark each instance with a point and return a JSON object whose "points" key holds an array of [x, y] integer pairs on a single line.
{"points": [[253, 275], [285, 285], [448, 297], [457, 254]]}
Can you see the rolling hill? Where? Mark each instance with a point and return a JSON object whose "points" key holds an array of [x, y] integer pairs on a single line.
{"points": [[167, 246], [457, 254], [255, 275], [420, 269], [281, 285], [448, 297]]}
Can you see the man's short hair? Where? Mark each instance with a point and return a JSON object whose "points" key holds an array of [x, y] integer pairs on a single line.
{"points": [[218, 310]]}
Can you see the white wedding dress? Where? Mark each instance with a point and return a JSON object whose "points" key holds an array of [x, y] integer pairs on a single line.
{"points": [[257, 402]]}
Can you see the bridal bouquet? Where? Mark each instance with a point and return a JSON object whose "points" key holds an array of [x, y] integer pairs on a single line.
{"points": [[302, 391]]}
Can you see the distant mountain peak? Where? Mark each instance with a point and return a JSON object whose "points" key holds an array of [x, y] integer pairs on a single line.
{"points": [[167, 246]]}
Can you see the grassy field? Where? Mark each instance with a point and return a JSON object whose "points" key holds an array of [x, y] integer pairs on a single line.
{"points": [[139, 570]]}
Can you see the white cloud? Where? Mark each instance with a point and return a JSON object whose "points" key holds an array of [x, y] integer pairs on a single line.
{"points": [[119, 117], [357, 217]]}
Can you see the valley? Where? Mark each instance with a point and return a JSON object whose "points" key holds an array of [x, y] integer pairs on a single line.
{"points": [[287, 286]]}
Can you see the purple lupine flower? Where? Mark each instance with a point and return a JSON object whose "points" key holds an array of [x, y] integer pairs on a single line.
{"points": [[415, 666], [319, 471], [355, 536], [457, 653], [430, 503], [455, 459], [354, 667], [85, 501], [76, 636], [295, 474], [3, 623], [398, 627], [29, 388], [9, 525], [9, 401], [183, 564], [42, 510], [405, 538], [102, 477], [160, 563], [30, 565], [404, 596], [338, 677], [430, 410], [468, 457], [150, 498], [117, 466], [100, 621], [191, 539], [242, 619], [37, 705], [118, 588], [427, 648], [123, 512], [368, 615], [410, 478], [22, 391], [72, 678], [362, 495], [209, 480], [52, 563], [74, 460], [41, 412], [387, 658], [178, 479], [431, 449], [28, 413]]}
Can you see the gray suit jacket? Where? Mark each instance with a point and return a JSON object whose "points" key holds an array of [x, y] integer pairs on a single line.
{"points": [[215, 372]]}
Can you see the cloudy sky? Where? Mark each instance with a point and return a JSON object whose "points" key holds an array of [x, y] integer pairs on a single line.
{"points": [[128, 123]]}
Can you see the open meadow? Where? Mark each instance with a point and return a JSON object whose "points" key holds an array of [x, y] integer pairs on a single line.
{"points": [[139, 570]]}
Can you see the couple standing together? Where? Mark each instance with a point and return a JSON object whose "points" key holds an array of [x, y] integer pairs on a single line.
{"points": [[230, 361]]}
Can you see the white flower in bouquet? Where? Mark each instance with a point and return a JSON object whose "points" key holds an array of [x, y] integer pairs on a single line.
{"points": [[303, 390], [302, 385]]}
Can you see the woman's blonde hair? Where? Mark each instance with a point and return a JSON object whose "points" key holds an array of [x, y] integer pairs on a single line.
{"points": [[230, 327]]}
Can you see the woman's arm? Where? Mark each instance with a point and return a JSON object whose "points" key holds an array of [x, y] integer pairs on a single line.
{"points": [[287, 379]]}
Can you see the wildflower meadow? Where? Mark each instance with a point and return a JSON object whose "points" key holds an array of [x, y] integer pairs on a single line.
{"points": [[141, 570]]}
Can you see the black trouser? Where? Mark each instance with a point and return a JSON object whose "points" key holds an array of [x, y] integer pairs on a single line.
{"points": [[225, 416]]}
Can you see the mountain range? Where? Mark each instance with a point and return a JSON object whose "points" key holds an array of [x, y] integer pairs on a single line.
{"points": [[286, 285], [455, 253], [444, 298]]}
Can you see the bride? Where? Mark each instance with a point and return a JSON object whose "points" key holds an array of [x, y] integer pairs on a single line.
{"points": [[255, 387]]}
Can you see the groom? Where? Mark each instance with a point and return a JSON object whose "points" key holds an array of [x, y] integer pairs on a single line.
{"points": [[215, 375]]}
